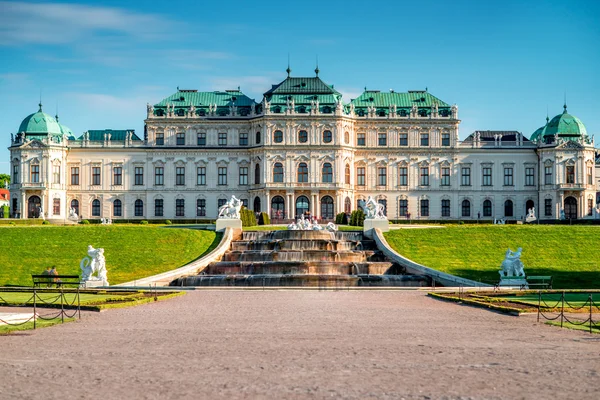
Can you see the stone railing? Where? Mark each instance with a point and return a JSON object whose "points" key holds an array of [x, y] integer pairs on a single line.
{"points": [[412, 267], [192, 268]]}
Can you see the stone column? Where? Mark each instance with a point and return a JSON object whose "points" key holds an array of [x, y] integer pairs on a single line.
{"points": [[268, 205], [23, 205]]}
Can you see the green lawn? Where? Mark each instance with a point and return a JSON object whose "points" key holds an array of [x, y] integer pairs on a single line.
{"points": [[553, 300], [571, 254], [132, 252]]}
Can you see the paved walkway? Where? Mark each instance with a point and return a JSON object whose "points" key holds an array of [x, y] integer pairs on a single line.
{"points": [[300, 344]]}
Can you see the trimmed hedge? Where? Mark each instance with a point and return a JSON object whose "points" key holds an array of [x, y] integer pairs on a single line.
{"points": [[248, 217], [341, 219], [264, 219], [357, 218]]}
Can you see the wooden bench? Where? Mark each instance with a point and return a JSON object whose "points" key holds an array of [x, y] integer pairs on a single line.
{"points": [[45, 280], [544, 282]]}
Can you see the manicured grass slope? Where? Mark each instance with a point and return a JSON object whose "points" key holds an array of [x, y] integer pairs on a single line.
{"points": [[571, 254], [131, 252]]}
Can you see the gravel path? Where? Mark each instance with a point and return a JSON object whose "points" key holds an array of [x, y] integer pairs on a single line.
{"points": [[300, 344]]}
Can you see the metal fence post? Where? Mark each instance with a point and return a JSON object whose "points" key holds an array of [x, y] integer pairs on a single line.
{"points": [[539, 303], [62, 305], [591, 302], [34, 306], [562, 309]]}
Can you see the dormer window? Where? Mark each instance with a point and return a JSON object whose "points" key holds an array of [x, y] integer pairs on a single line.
{"points": [[180, 112], [201, 112], [302, 110], [422, 113], [381, 113], [361, 113], [277, 110], [160, 113], [326, 110]]}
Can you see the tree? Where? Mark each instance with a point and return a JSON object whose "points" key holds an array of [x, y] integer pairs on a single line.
{"points": [[4, 180]]}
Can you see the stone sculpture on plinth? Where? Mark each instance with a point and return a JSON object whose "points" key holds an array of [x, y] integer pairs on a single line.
{"points": [[530, 215], [374, 216], [512, 270], [229, 215], [94, 263]]}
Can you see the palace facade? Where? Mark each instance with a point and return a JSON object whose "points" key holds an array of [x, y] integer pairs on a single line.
{"points": [[302, 149]]}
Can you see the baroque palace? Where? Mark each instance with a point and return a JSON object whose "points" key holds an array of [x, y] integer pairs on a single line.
{"points": [[303, 150]]}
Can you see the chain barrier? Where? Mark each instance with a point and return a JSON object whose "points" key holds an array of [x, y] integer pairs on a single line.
{"points": [[589, 304], [68, 308]]}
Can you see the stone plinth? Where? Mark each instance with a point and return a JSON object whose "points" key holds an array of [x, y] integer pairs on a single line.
{"points": [[517, 282], [92, 284], [371, 224], [223, 223]]}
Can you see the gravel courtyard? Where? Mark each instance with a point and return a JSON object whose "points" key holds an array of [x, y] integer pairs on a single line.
{"points": [[300, 344]]}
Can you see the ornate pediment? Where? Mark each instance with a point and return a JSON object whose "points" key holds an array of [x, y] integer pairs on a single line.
{"points": [[570, 144], [34, 144]]}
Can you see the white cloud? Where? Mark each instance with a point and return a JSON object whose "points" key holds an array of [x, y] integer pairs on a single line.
{"points": [[349, 93], [61, 23]]}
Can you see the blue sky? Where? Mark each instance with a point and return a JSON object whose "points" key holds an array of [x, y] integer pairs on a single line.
{"points": [[503, 63]]}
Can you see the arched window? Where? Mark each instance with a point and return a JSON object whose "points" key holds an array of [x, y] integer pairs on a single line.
{"points": [[257, 174], [278, 136], [277, 110], [302, 136], [347, 174], [347, 205], [117, 208], [278, 172], [302, 206], [326, 207], [257, 139], [139, 208], [508, 208], [302, 110], [75, 206], [302, 173], [257, 204], [466, 208], [327, 136], [383, 202], [487, 208], [327, 173], [277, 207], [347, 137], [96, 208]]}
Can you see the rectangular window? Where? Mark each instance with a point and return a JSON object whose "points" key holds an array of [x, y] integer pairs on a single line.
{"points": [[445, 208], [382, 139], [403, 139], [529, 176], [243, 139], [222, 176], [201, 176], [425, 139], [381, 176], [16, 173], [243, 175], [95, 175], [74, 175], [117, 176], [360, 139], [222, 139], [35, 174], [424, 208], [590, 179], [56, 174], [403, 176], [445, 139], [508, 176], [139, 175], [465, 176], [180, 138], [56, 207], [570, 174], [548, 207], [201, 208], [180, 207], [158, 207], [180, 176], [445, 181], [424, 176], [487, 176], [160, 139], [360, 176], [548, 175], [159, 176], [403, 208], [202, 139]]}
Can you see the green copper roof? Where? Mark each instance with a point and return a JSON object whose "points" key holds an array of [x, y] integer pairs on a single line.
{"points": [[40, 124], [186, 98], [375, 98], [313, 85], [538, 134], [98, 135], [566, 126]]}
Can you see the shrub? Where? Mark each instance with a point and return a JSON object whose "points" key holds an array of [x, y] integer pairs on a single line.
{"points": [[341, 219], [85, 222], [248, 218], [168, 222], [11, 223], [46, 223], [265, 218], [357, 218], [143, 222]]}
